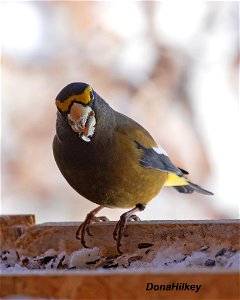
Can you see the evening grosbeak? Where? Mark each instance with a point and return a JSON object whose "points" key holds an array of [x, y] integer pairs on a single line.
{"points": [[109, 158]]}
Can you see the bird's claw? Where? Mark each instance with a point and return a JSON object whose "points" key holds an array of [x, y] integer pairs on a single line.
{"points": [[84, 227], [96, 220], [134, 218], [80, 233], [118, 231], [121, 224], [100, 219]]}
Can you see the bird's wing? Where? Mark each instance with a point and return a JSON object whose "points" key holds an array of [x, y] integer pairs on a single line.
{"points": [[157, 158], [152, 155], [133, 130]]}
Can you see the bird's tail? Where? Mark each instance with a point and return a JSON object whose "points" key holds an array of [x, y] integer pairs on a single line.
{"points": [[182, 185], [190, 188]]}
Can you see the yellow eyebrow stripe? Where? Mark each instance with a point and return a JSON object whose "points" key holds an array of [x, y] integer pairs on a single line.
{"points": [[83, 98]]}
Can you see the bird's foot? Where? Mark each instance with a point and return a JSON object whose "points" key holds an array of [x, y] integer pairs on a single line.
{"points": [[100, 219], [134, 218], [84, 227], [97, 220], [80, 233], [121, 224], [118, 231]]}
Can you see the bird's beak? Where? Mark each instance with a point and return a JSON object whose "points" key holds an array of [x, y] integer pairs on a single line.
{"points": [[82, 120]]}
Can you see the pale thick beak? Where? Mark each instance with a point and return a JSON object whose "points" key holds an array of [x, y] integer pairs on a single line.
{"points": [[82, 120]]}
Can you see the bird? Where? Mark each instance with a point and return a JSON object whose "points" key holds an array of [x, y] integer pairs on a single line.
{"points": [[109, 158]]}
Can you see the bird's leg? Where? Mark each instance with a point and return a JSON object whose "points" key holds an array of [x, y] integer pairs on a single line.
{"points": [[84, 227], [118, 231]]}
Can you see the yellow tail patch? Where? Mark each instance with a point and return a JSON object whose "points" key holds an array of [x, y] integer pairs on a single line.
{"points": [[175, 180]]}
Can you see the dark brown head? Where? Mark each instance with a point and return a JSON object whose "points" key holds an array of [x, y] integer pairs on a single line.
{"points": [[75, 102], [85, 112]]}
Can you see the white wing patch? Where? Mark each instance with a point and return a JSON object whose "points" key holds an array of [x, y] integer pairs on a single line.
{"points": [[160, 150]]}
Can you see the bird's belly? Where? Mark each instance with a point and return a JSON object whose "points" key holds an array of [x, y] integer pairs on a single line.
{"points": [[113, 187], [138, 188]]}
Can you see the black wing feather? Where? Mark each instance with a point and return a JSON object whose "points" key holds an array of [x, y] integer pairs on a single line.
{"points": [[154, 160]]}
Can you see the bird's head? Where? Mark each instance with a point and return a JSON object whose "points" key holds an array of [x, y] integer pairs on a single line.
{"points": [[75, 102]]}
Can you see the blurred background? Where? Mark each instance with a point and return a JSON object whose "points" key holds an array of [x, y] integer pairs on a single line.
{"points": [[172, 66]]}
